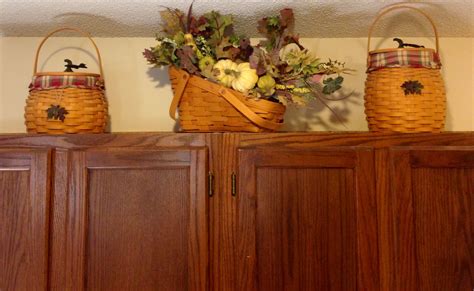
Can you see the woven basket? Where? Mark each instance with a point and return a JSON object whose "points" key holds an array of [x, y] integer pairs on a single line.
{"points": [[205, 106], [84, 101], [388, 106]]}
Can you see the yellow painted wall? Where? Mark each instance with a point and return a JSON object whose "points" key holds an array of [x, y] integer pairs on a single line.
{"points": [[139, 96]]}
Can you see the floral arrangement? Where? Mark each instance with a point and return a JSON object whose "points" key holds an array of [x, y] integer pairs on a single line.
{"points": [[278, 68]]}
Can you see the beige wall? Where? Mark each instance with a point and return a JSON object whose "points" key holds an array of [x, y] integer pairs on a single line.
{"points": [[139, 96]]}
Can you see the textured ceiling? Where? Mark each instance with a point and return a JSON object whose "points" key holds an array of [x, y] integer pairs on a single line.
{"points": [[140, 18]]}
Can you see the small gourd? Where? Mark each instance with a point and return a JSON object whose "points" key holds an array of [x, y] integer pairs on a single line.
{"points": [[206, 65], [245, 79], [267, 85], [225, 72], [241, 77], [189, 41]]}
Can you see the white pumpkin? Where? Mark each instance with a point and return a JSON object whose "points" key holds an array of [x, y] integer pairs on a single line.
{"points": [[245, 78], [226, 72]]}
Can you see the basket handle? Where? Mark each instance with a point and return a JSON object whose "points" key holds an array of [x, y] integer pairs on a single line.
{"points": [[384, 12], [245, 110], [227, 95], [83, 33], [178, 92]]}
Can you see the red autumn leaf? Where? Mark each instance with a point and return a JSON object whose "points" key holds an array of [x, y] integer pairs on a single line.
{"points": [[287, 18], [187, 59], [262, 26]]}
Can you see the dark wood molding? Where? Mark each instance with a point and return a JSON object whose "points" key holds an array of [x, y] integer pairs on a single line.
{"points": [[294, 140]]}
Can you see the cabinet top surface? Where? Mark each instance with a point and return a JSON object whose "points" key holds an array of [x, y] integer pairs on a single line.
{"points": [[292, 139]]}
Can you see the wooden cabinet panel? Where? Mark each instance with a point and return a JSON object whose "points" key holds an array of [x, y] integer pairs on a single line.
{"points": [[24, 219], [307, 220], [137, 220], [433, 194], [131, 212]]}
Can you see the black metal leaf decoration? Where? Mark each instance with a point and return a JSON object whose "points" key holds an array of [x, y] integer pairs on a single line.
{"points": [[57, 112], [412, 87]]}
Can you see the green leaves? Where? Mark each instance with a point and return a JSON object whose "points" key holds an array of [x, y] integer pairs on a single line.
{"points": [[278, 30], [221, 26], [172, 21], [302, 62], [332, 85], [233, 49], [273, 23], [288, 72], [57, 112], [163, 54], [203, 46], [222, 47]]}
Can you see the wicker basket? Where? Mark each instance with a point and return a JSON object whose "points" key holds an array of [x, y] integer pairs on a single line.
{"points": [[205, 106], [404, 91], [81, 95]]}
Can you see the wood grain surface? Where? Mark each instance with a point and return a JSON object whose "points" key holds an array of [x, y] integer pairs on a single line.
{"points": [[136, 219], [399, 217], [293, 139], [433, 190], [304, 220], [24, 218]]}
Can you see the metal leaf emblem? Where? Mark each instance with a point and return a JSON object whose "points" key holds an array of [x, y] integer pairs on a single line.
{"points": [[57, 112]]}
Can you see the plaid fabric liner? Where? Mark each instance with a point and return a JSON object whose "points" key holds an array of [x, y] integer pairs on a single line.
{"points": [[61, 82], [404, 58]]}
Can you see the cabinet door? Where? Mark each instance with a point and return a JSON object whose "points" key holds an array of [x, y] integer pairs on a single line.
{"points": [[433, 198], [136, 220], [24, 219], [307, 219]]}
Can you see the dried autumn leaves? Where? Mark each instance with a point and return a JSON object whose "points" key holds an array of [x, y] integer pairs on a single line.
{"points": [[278, 68]]}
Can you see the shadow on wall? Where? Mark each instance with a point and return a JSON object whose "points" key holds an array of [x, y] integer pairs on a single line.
{"points": [[75, 20], [159, 76], [388, 24], [43, 62], [303, 119]]}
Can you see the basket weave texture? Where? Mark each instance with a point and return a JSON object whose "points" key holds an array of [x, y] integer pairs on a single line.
{"points": [[87, 107], [87, 111], [207, 107], [389, 108]]}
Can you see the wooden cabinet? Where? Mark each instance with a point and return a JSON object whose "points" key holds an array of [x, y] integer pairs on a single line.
{"points": [[24, 218], [432, 193], [304, 215], [237, 212], [136, 219], [306, 219]]}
